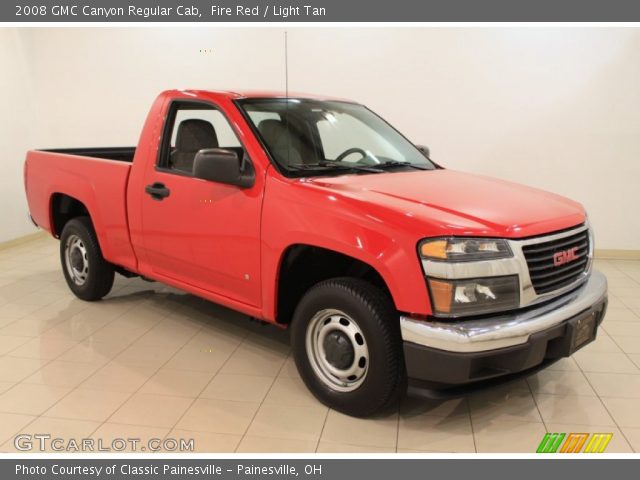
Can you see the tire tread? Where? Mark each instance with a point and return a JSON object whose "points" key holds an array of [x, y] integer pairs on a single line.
{"points": [[384, 313], [102, 272]]}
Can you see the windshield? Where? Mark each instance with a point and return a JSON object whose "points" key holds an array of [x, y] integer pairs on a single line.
{"points": [[313, 136]]}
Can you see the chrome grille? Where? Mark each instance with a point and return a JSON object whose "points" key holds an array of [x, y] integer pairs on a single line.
{"points": [[544, 262]]}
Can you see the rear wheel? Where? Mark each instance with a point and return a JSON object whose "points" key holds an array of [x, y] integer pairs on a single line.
{"points": [[347, 347], [88, 275]]}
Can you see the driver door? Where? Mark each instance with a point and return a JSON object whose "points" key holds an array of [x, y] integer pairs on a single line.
{"points": [[201, 233]]}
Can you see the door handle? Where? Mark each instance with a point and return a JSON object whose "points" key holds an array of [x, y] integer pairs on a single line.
{"points": [[157, 191]]}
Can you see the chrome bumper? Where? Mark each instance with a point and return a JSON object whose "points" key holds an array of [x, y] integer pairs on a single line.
{"points": [[504, 330]]}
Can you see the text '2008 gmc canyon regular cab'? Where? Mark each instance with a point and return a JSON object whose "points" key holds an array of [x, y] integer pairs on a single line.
{"points": [[316, 214]]}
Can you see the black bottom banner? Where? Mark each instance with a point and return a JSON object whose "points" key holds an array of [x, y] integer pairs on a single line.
{"points": [[319, 468]]}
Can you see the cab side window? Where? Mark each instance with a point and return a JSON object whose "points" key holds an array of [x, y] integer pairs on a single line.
{"points": [[193, 127]]}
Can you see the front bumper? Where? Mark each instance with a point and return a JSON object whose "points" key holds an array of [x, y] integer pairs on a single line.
{"points": [[446, 354]]}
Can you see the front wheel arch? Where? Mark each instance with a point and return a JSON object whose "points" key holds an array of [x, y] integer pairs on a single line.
{"points": [[303, 265]]}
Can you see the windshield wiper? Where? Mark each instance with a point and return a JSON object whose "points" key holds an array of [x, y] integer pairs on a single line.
{"points": [[333, 165], [397, 163]]}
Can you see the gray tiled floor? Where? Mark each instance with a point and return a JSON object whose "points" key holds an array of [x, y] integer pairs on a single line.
{"points": [[151, 362]]}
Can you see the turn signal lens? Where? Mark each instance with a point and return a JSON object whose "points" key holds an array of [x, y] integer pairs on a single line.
{"points": [[456, 249], [474, 297], [441, 295], [434, 249]]}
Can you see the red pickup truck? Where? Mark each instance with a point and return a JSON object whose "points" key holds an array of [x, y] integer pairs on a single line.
{"points": [[314, 213]]}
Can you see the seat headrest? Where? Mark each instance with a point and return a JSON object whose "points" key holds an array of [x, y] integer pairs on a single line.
{"points": [[194, 135], [272, 130]]}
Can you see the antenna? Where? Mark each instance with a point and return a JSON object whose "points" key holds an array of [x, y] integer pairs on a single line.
{"points": [[286, 65], [286, 94]]}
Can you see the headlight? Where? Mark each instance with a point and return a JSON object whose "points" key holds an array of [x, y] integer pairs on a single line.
{"points": [[464, 249], [452, 298]]}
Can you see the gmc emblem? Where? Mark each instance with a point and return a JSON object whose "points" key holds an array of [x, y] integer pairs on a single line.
{"points": [[565, 256]]}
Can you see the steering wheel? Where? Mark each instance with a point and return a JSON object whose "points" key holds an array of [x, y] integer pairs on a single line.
{"points": [[348, 152]]}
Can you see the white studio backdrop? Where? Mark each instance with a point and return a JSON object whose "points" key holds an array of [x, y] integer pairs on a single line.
{"points": [[555, 108]]}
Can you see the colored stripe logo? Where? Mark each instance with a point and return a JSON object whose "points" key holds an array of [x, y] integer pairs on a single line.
{"points": [[598, 442], [574, 443], [550, 442]]}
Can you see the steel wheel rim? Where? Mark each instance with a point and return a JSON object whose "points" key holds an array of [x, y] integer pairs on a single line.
{"points": [[324, 327], [76, 260]]}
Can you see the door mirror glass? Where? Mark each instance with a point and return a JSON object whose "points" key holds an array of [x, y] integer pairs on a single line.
{"points": [[223, 166]]}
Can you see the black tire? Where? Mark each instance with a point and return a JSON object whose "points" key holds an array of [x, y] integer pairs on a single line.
{"points": [[99, 274], [377, 320]]}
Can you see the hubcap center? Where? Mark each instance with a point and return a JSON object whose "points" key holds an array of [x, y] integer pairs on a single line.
{"points": [[338, 350], [77, 260]]}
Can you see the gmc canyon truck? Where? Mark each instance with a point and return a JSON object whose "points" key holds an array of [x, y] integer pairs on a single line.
{"points": [[315, 214]]}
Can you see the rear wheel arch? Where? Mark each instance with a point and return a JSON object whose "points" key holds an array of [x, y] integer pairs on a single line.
{"points": [[303, 265], [64, 208]]}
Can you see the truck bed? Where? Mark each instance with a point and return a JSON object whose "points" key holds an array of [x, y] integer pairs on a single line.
{"points": [[95, 177]]}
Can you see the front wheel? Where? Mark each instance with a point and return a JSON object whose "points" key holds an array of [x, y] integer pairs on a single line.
{"points": [[88, 275], [347, 347]]}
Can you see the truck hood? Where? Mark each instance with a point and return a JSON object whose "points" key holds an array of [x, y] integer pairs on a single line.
{"points": [[459, 203]]}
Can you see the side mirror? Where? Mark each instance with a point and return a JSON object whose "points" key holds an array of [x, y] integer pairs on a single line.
{"points": [[223, 166], [424, 150]]}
